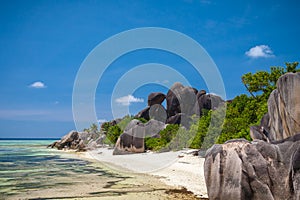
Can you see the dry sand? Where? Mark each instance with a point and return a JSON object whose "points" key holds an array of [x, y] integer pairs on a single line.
{"points": [[178, 168]]}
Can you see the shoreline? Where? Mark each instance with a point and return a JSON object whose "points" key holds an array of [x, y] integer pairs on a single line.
{"points": [[79, 175], [176, 169]]}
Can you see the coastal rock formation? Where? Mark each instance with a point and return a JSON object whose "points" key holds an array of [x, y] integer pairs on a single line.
{"points": [[132, 139], [155, 111], [182, 102], [208, 101], [181, 99], [283, 117], [144, 113], [240, 169], [268, 167], [70, 141], [156, 98], [284, 107], [158, 113]]}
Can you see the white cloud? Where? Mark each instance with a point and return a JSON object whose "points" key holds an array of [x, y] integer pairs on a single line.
{"points": [[163, 81], [260, 51], [38, 85], [100, 121], [127, 100]]}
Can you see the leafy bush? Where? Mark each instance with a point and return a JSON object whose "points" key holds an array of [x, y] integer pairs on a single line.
{"points": [[166, 137], [113, 134]]}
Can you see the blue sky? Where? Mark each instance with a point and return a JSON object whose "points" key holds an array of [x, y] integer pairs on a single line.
{"points": [[43, 44]]}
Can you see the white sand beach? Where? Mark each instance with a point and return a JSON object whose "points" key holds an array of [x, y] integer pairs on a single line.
{"points": [[178, 168]]}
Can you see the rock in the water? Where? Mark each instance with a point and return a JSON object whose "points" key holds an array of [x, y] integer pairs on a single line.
{"points": [[239, 169], [156, 98], [70, 141], [132, 139]]}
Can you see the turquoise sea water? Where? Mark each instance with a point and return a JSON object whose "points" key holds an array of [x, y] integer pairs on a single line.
{"points": [[27, 165]]}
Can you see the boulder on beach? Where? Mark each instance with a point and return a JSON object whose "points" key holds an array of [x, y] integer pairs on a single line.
{"points": [[132, 139], [269, 166], [71, 141], [240, 169]]}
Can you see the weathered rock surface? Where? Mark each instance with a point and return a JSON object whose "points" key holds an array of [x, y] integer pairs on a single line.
{"points": [[181, 99], [284, 107], [283, 117], [155, 111], [144, 113], [208, 101], [268, 167], [132, 139], [239, 169], [156, 98], [71, 141], [158, 113], [182, 102]]}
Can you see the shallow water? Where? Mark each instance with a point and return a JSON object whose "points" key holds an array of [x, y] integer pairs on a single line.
{"points": [[28, 170], [27, 165]]}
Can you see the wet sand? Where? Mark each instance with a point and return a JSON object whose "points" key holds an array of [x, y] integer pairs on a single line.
{"points": [[103, 182]]}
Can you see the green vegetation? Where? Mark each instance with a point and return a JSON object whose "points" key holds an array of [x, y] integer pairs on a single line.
{"points": [[112, 134], [166, 136], [241, 113], [263, 82], [93, 129]]}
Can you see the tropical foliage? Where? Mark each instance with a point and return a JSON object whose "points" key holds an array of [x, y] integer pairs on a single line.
{"points": [[213, 126]]}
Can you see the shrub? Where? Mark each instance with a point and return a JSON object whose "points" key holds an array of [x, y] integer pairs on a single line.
{"points": [[113, 134]]}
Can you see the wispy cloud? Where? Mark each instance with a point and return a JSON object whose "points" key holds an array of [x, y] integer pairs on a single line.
{"points": [[163, 81], [100, 121], [38, 85], [263, 51], [127, 100]]}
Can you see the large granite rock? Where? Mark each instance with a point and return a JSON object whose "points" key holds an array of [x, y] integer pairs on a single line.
{"points": [[156, 98], [132, 139], [180, 119], [71, 141], [144, 113], [283, 117], [181, 99], [284, 107], [240, 169], [268, 167], [156, 111], [208, 101]]}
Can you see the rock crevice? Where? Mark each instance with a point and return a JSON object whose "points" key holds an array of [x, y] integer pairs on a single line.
{"points": [[268, 167]]}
